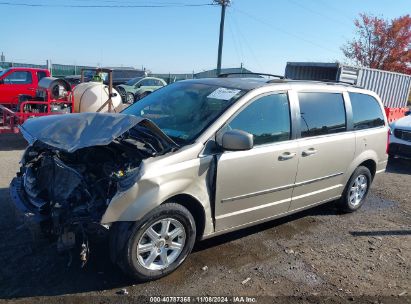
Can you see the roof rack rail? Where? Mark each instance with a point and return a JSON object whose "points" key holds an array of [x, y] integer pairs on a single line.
{"points": [[225, 75], [337, 81]]}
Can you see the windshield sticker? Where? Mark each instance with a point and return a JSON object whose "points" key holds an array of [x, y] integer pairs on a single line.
{"points": [[223, 94]]}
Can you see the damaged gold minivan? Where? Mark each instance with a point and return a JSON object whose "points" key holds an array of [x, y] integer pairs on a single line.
{"points": [[195, 159]]}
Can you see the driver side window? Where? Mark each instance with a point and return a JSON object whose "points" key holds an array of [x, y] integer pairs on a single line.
{"points": [[19, 77], [267, 119]]}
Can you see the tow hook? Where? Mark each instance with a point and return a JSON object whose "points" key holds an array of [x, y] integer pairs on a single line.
{"points": [[85, 249], [84, 253]]}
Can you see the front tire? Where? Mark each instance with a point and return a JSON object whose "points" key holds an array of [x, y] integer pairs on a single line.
{"points": [[356, 190], [158, 243], [129, 98]]}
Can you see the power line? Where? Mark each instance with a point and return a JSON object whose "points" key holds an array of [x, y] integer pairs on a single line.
{"points": [[240, 54], [335, 9], [159, 5], [313, 11], [246, 42], [301, 38]]}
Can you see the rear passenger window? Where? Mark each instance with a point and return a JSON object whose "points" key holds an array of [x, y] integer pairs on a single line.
{"points": [[321, 113], [267, 118], [40, 75], [366, 111]]}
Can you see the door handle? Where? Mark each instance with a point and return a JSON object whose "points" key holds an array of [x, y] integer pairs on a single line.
{"points": [[309, 152], [287, 155]]}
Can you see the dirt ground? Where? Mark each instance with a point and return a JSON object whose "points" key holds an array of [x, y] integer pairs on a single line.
{"points": [[315, 256]]}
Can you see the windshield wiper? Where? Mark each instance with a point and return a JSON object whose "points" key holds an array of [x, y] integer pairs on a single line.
{"points": [[149, 124]]}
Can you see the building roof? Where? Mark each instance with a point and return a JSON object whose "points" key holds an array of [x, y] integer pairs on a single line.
{"points": [[213, 73], [232, 83]]}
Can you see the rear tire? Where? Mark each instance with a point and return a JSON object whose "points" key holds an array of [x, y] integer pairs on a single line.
{"points": [[158, 243], [356, 190]]}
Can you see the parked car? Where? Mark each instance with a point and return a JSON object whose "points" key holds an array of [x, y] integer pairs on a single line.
{"points": [[139, 87], [400, 139], [120, 75], [19, 81], [196, 159]]}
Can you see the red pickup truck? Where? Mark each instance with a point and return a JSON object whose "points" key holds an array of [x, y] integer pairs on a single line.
{"points": [[19, 81]]}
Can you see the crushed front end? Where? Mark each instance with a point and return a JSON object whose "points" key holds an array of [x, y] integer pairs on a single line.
{"points": [[67, 190]]}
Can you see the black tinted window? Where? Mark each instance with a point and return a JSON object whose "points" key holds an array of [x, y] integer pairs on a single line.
{"points": [[366, 111], [40, 75], [321, 113], [267, 118]]}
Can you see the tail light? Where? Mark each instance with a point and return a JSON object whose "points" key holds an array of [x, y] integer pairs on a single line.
{"points": [[388, 140]]}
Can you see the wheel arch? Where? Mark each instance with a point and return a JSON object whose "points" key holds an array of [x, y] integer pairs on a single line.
{"points": [[195, 207], [120, 230], [371, 165], [368, 159]]}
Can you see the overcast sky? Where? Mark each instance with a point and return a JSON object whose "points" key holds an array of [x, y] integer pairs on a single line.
{"points": [[261, 34]]}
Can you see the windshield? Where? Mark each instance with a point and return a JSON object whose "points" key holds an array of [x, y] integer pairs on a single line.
{"points": [[133, 81], [183, 110]]}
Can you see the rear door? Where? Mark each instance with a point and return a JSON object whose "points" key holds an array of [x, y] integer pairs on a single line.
{"points": [[15, 83], [257, 184], [369, 127], [325, 147]]}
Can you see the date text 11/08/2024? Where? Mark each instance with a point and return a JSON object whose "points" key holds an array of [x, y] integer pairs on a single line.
{"points": [[203, 299]]}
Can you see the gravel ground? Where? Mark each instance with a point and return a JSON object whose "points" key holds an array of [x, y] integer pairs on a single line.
{"points": [[317, 256]]}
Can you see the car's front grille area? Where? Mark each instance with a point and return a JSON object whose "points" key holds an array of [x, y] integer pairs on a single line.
{"points": [[402, 134]]}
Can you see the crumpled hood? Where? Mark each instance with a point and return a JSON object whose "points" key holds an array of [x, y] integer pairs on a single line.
{"points": [[404, 122], [70, 132]]}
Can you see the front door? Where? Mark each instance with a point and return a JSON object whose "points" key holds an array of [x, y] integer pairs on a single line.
{"points": [[257, 184], [14, 84]]}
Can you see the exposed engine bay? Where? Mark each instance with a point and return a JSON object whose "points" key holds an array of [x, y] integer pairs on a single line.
{"points": [[70, 191]]}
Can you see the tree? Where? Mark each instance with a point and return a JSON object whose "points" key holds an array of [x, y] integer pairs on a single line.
{"points": [[381, 44]]}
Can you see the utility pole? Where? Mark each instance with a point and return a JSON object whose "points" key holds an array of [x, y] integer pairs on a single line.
{"points": [[224, 4]]}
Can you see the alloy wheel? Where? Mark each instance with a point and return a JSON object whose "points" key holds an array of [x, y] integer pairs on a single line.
{"points": [[129, 98], [161, 244], [358, 190]]}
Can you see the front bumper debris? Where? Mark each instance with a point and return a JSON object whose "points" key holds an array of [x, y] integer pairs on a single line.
{"points": [[18, 196]]}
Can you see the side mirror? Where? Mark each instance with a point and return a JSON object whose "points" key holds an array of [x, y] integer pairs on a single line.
{"points": [[138, 85], [1, 81], [235, 140]]}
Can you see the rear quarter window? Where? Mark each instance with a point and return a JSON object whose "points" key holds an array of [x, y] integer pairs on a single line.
{"points": [[366, 111], [40, 75]]}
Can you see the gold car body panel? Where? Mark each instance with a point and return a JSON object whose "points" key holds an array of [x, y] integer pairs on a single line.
{"points": [[252, 186]]}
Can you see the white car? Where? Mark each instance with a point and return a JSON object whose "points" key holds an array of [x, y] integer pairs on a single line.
{"points": [[400, 139]]}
